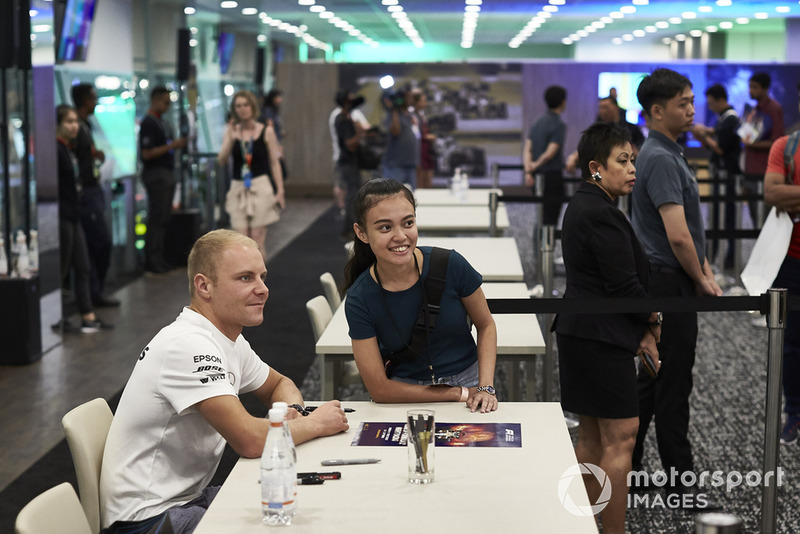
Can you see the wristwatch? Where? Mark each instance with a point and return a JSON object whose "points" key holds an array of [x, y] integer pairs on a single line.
{"points": [[487, 389], [658, 321]]}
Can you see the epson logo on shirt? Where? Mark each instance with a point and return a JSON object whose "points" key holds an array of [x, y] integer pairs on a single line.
{"points": [[207, 358]]}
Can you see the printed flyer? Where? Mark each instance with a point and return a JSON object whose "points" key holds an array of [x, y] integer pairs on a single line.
{"points": [[447, 435]]}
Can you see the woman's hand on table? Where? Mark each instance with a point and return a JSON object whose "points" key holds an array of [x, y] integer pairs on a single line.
{"points": [[481, 401]]}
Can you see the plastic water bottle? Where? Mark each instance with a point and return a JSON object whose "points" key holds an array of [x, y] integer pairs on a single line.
{"points": [[278, 475], [455, 182], [3, 259], [23, 265], [33, 252], [462, 194], [284, 407]]}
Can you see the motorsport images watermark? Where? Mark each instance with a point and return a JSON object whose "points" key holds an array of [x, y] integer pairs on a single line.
{"points": [[658, 480]]}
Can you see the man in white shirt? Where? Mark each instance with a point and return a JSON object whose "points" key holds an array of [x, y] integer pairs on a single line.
{"points": [[181, 402]]}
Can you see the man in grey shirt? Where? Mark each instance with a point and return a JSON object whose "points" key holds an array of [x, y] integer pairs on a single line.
{"points": [[668, 222], [543, 155]]}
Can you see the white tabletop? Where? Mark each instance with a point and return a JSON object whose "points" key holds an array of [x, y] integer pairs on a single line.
{"points": [[459, 218], [475, 490], [443, 197], [496, 258], [517, 333]]}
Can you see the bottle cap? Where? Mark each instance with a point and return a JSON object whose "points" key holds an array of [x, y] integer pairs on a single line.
{"points": [[276, 416]]}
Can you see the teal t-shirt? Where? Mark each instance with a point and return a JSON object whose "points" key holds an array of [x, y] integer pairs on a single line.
{"points": [[452, 345]]}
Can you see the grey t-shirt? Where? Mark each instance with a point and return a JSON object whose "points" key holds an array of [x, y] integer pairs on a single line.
{"points": [[402, 150], [664, 177], [549, 128]]}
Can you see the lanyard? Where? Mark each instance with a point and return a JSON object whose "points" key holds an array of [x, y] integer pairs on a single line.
{"points": [[246, 148]]}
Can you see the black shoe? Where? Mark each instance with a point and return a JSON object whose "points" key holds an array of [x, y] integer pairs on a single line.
{"points": [[105, 302], [692, 499], [65, 327], [92, 327]]}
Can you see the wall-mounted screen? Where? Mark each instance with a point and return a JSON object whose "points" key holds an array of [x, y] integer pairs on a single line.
{"points": [[74, 41], [225, 51], [625, 84]]}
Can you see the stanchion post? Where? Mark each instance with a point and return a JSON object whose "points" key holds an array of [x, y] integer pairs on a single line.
{"points": [[548, 248], [211, 196], [776, 323], [493, 214], [495, 175]]}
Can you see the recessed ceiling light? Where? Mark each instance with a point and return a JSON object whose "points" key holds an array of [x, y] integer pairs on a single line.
{"points": [[606, 20], [641, 2], [782, 9], [582, 33], [761, 15], [726, 25], [724, 3], [696, 33], [616, 41], [566, 41], [689, 15], [194, 30], [627, 37], [650, 29], [639, 33], [705, 9], [590, 29], [550, 9], [680, 37], [675, 20], [616, 15], [189, 10], [249, 11], [228, 4], [40, 28], [711, 29], [261, 38], [666, 40], [599, 24], [742, 20], [557, 2], [473, 9], [326, 14], [627, 10], [394, 9], [305, 2], [193, 42], [663, 24], [316, 9], [473, 2], [389, 2]]}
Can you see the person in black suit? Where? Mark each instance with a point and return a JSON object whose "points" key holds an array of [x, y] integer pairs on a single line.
{"points": [[596, 352]]}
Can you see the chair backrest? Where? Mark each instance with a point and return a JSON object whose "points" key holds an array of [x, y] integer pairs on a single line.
{"points": [[319, 311], [56, 510], [331, 291], [86, 428]]}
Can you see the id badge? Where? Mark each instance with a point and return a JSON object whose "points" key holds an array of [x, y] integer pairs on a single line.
{"points": [[247, 176]]}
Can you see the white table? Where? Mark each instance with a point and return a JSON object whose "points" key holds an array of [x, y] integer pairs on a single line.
{"points": [[443, 197], [475, 489], [519, 339], [496, 258], [459, 219]]}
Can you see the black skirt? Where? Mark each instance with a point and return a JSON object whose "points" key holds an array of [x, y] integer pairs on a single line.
{"points": [[597, 379]]}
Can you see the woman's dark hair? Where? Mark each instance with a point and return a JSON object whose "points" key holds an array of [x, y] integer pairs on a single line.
{"points": [[597, 142], [62, 110], [269, 100], [366, 198]]}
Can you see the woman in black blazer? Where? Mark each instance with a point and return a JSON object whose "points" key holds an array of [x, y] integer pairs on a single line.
{"points": [[596, 352]]}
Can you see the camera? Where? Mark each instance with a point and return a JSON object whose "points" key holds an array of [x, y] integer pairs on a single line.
{"points": [[393, 99]]}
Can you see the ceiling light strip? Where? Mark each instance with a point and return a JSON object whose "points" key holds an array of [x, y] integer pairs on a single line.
{"points": [[472, 10], [535, 23], [298, 31], [400, 17], [339, 22]]}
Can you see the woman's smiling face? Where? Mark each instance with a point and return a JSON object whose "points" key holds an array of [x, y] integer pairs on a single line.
{"points": [[390, 230]]}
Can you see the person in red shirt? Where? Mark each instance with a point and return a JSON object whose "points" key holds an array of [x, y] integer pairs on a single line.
{"points": [[768, 115], [782, 190]]}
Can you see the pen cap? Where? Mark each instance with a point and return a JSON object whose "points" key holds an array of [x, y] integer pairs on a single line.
{"points": [[276, 416]]}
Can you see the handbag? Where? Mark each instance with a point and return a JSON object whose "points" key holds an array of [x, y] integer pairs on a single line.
{"points": [[367, 158]]}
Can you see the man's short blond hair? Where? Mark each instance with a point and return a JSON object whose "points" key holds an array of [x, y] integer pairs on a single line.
{"points": [[206, 250]]}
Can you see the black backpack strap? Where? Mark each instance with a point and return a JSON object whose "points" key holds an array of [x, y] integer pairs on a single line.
{"points": [[435, 283]]}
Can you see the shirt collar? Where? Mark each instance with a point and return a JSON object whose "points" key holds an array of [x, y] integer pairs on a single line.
{"points": [[666, 142]]}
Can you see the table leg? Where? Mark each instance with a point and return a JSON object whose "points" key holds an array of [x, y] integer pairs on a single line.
{"points": [[327, 375]]}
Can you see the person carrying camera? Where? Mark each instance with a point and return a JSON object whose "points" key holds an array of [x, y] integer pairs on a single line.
{"points": [[403, 142]]}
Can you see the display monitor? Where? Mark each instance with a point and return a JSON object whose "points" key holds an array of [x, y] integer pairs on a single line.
{"points": [[225, 51], [74, 40], [625, 84]]}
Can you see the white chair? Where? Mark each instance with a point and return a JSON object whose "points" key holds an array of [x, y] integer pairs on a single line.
{"points": [[86, 428], [331, 290], [320, 314], [56, 510]]}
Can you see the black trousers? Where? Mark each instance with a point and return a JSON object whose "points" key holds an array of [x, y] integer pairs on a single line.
{"points": [[98, 237], [75, 259], [553, 194], [160, 186], [667, 396]]}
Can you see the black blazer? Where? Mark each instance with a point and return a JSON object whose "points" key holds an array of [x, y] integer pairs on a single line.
{"points": [[602, 258]]}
